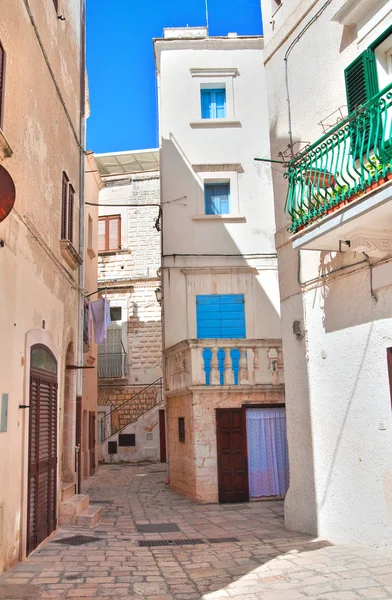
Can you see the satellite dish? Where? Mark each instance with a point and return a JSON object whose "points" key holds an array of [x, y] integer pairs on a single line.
{"points": [[7, 193]]}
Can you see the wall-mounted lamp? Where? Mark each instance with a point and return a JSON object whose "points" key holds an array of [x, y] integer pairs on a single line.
{"points": [[297, 330], [158, 294]]}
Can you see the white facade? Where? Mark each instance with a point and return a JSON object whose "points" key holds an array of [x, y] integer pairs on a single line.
{"points": [[211, 250], [196, 151], [337, 389]]}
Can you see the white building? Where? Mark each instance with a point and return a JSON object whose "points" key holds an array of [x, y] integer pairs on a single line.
{"points": [[220, 290], [335, 267], [130, 411]]}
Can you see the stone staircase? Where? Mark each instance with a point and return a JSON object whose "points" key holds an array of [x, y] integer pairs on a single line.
{"points": [[75, 509]]}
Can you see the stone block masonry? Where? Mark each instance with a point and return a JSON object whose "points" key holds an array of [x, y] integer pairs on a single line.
{"points": [[136, 399]]}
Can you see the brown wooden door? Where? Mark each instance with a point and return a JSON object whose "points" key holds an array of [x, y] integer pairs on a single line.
{"points": [[92, 441], [42, 467], [232, 455], [78, 442], [162, 436]]}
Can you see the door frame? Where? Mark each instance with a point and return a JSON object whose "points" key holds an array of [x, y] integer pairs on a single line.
{"points": [[34, 337], [51, 379]]}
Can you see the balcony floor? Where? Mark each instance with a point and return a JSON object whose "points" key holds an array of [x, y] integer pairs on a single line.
{"points": [[372, 212]]}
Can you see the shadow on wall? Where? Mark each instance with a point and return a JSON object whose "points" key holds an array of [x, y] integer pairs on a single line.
{"points": [[214, 235]]}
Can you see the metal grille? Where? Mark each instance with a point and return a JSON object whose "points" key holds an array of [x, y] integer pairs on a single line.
{"points": [[77, 540], [194, 542], [157, 528], [101, 501]]}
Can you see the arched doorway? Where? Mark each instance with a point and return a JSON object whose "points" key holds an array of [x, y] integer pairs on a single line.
{"points": [[42, 463]]}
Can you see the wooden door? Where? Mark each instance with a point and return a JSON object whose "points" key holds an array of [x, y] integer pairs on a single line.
{"points": [[78, 442], [162, 436], [42, 466], [92, 441], [232, 455]]}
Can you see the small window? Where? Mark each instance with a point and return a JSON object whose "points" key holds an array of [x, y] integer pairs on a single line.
{"points": [[181, 429], [217, 198], [213, 103], [115, 313], [2, 82], [149, 436], [109, 233], [67, 209], [126, 439], [112, 447]]}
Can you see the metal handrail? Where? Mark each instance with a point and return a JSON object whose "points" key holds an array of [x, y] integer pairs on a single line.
{"points": [[343, 163], [108, 425], [112, 364]]}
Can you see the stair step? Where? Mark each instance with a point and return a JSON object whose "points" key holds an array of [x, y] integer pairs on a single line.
{"points": [[68, 491], [90, 516], [74, 505]]}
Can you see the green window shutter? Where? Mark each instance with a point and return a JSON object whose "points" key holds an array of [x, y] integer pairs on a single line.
{"points": [[361, 80]]}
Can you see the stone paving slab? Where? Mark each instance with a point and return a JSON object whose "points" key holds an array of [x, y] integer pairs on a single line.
{"points": [[267, 563]]}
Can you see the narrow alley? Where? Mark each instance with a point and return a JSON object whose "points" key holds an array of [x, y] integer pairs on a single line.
{"points": [[237, 551]]}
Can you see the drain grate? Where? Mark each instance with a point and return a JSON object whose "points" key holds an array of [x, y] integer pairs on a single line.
{"points": [[154, 543], [222, 540], [194, 542], [77, 540], [157, 527], [101, 501]]}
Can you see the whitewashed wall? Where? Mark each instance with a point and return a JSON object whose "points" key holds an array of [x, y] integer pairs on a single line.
{"points": [[338, 407], [194, 151]]}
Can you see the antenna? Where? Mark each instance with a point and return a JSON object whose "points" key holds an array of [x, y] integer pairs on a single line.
{"points": [[206, 1]]}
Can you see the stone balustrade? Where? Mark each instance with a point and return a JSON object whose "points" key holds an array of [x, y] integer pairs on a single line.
{"points": [[218, 362]]}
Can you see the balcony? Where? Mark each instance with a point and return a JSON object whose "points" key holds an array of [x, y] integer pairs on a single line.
{"points": [[340, 186], [224, 364], [113, 365]]}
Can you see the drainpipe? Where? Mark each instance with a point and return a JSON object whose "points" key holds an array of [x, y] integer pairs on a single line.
{"points": [[82, 143]]}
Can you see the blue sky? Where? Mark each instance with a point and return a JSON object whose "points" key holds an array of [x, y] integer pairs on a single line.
{"points": [[120, 61]]}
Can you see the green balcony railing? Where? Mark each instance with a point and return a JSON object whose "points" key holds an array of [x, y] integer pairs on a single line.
{"points": [[349, 160]]}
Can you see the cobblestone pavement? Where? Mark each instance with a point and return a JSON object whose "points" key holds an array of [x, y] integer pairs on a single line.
{"points": [[267, 562]]}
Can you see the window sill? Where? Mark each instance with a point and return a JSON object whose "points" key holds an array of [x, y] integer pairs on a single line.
{"points": [[70, 254], [235, 218], [91, 252], [213, 123], [5, 149], [104, 253]]}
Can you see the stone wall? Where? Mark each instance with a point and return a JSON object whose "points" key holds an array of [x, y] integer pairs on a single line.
{"points": [[193, 463], [135, 268], [138, 399], [182, 454]]}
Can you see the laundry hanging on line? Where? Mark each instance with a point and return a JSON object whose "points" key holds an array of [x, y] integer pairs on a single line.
{"points": [[100, 310]]}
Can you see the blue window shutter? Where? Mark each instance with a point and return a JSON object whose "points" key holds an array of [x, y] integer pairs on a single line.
{"points": [[206, 104], [220, 316], [220, 103]]}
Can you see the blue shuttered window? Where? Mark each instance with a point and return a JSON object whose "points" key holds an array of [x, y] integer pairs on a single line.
{"points": [[217, 198], [221, 316], [213, 103]]}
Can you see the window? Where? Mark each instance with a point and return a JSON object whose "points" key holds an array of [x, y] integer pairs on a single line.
{"points": [[109, 233], [213, 103], [126, 439], [181, 429], [67, 209], [2, 82], [363, 74], [115, 313], [90, 232], [217, 198], [220, 316]]}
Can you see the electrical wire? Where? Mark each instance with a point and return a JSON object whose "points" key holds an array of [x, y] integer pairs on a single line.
{"points": [[286, 56]]}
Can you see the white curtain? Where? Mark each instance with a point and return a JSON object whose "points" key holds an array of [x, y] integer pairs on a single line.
{"points": [[268, 460]]}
